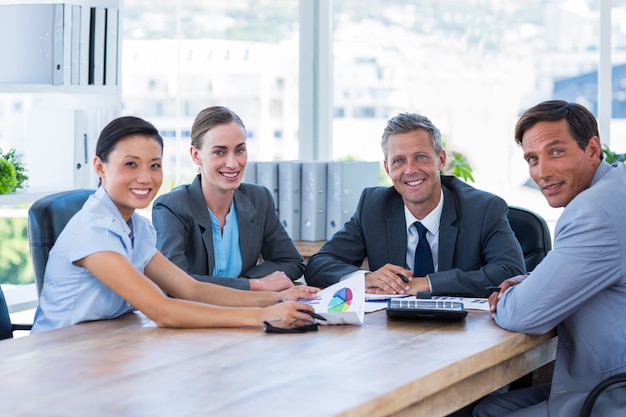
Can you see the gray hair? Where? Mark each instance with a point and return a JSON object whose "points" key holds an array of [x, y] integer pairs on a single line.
{"points": [[408, 122]]}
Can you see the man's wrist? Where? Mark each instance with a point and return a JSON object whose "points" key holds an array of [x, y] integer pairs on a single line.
{"points": [[430, 286], [421, 284]]}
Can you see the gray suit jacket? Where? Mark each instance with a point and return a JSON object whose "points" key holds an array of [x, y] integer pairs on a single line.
{"points": [[580, 287], [185, 236], [477, 247]]}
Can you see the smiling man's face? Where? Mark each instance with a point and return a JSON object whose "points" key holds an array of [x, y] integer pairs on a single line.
{"points": [[413, 166], [557, 164]]}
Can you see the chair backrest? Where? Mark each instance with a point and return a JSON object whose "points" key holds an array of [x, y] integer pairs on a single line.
{"points": [[46, 219], [6, 329], [533, 234], [587, 407]]}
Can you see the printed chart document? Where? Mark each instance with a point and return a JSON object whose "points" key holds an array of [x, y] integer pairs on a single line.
{"points": [[343, 302]]}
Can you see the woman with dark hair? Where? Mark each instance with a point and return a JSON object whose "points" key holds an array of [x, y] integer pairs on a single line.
{"points": [[217, 228], [105, 262]]}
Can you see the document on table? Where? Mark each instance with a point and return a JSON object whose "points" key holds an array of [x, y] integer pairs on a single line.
{"points": [[341, 303], [383, 297], [377, 302], [468, 302]]}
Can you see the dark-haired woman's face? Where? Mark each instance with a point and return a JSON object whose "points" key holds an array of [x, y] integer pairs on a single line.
{"points": [[132, 174]]}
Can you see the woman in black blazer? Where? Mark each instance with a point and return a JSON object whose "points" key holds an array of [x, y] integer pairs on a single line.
{"points": [[216, 228]]}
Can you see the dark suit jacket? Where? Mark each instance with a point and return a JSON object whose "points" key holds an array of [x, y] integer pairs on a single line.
{"points": [[185, 236], [477, 247]]}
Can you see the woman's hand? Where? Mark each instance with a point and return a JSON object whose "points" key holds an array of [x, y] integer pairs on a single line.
{"points": [[288, 314], [299, 292]]}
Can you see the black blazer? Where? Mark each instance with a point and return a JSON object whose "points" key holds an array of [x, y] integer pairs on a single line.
{"points": [[185, 235], [477, 247]]}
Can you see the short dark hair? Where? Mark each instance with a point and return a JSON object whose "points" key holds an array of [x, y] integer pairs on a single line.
{"points": [[120, 128], [408, 122], [582, 123], [210, 117]]}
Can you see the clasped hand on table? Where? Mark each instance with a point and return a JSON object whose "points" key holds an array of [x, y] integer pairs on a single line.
{"points": [[394, 279]]}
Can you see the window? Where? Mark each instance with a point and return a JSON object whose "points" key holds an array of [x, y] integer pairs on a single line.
{"points": [[471, 67], [243, 55]]}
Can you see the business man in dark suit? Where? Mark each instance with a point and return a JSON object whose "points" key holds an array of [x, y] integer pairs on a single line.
{"points": [[470, 242]]}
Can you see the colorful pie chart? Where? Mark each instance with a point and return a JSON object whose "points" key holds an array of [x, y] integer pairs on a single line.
{"points": [[341, 301]]}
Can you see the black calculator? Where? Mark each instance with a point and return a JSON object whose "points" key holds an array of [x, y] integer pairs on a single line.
{"points": [[420, 309]]}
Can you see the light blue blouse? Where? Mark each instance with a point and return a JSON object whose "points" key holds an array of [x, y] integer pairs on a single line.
{"points": [[71, 294], [226, 247]]}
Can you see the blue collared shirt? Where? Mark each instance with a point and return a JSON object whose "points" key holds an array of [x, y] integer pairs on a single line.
{"points": [[226, 247], [71, 294]]}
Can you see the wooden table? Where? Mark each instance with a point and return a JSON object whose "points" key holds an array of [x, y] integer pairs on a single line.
{"points": [[308, 248], [128, 367]]}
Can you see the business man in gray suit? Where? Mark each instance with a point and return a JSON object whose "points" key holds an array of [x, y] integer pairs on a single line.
{"points": [[469, 241], [580, 286]]}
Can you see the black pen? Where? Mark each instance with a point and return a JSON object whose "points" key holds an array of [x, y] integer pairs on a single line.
{"points": [[310, 313], [313, 314], [493, 288], [403, 278]]}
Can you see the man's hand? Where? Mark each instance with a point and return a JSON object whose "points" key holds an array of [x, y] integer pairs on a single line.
{"points": [[390, 279], [506, 284]]}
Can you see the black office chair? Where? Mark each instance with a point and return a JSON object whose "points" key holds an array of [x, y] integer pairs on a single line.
{"points": [[6, 327], [46, 219], [533, 234], [585, 411]]}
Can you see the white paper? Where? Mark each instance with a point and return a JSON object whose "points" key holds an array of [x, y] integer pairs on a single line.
{"points": [[375, 302], [372, 306], [343, 302], [468, 302], [383, 297]]}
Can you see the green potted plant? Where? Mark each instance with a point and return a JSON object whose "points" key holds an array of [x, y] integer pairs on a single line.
{"points": [[458, 165], [610, 156], [12, 172]]}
